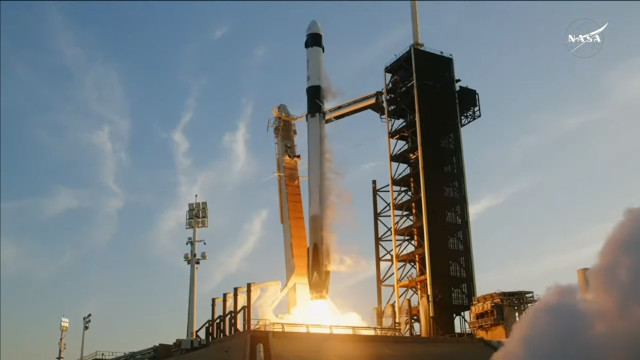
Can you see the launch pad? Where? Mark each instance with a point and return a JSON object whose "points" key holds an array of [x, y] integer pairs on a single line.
{"points": [[272, 345], [278, 345], [425, 277]]}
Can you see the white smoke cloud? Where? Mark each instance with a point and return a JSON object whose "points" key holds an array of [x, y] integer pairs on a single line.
{"points": [[267, 295], [331, 198], [338, 207], [561, 326], [263, 297], [347, 263]]}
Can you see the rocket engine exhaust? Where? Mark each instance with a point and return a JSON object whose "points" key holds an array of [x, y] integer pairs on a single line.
{"points": [[319, 252]]}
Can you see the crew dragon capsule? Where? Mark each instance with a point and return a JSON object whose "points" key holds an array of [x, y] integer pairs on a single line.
{"points": [[319, 252]]}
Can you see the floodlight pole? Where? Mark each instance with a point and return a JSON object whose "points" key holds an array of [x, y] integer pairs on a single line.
{"points": [[197, 216], [64, 326], [85, 326], [193, 283], [82, 345], [61, 345]]}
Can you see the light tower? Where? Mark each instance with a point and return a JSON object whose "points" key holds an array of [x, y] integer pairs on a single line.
{"points": [[86, 320], [64, 327], [197, 217]]}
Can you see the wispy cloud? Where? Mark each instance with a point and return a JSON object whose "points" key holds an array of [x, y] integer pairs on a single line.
{"points": [[219, 32], [224, 172], [370, 165], [104, 110], [96, 119], [170, 223], [62, 200], [375, 55], [180, 141], [14, 253], [103, 140], [571, 252], [566, 124], [259, 51], [236, 142], [66, 199], [620, 84], [9, 254], [365, 272], [229, 261], [489, 201], [623, 83]]}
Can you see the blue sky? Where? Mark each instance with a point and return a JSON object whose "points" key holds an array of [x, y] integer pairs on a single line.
{"points": [[115, 114]]}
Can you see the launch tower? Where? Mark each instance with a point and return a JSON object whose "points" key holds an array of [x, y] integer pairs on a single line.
{"points": [[422, 233]]}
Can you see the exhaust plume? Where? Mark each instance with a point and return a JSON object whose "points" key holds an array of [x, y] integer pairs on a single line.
{"points": [[266, 296], [604, 326], [329, 198]]}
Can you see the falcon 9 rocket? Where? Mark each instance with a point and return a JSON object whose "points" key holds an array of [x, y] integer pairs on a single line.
{"points": [[319, 252]]}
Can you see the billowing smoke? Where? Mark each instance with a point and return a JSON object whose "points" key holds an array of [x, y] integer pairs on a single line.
{"points": [[562, 326], [336, 198], [347, 263], [264, 296]]}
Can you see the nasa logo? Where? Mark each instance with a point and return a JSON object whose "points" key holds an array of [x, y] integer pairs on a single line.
{"points": [[584, 38]]}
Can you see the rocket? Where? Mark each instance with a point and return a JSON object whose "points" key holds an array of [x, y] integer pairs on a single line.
{"points": [[319, 254]]}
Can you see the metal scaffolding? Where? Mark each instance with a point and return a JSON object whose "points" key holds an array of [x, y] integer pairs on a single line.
{"points": [[422, 236]]}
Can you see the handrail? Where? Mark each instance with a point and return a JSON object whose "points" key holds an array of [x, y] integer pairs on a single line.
{"points": [[206, 324], [101, 354], [484, 322]]}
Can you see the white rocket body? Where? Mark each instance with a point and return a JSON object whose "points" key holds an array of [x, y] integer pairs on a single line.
{"points": [[319, 253]]}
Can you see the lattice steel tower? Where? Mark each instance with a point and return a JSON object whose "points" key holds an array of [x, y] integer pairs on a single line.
{"points": [[423, 238]]}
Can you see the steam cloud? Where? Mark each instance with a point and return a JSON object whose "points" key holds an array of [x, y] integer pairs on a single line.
{"points": [[334, 197], [561, 326], [265, 297], [345, 263]]}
